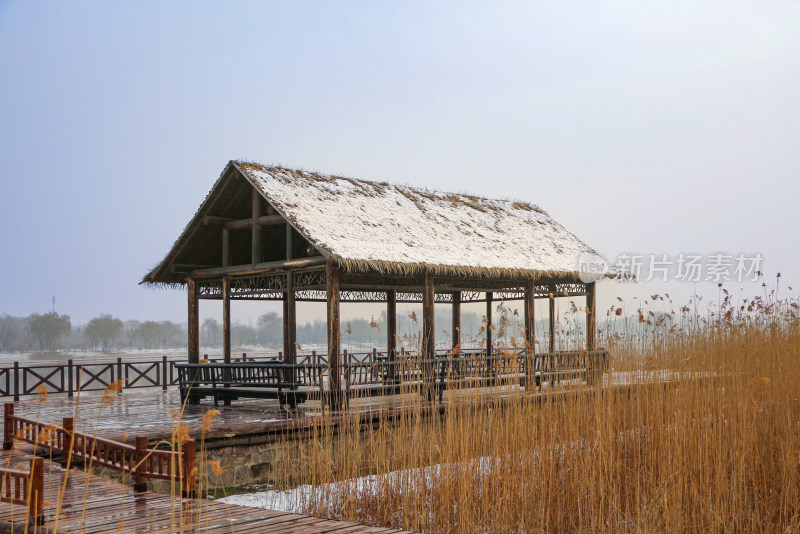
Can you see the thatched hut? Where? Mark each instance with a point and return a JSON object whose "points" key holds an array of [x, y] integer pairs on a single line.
{"points": [[273, 233]]}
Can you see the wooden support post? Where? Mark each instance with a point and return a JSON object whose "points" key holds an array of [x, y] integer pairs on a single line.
{"points": [[334, 336], [456, 323], [36, 503], [16, 381], [193, 341], [257, 242], [70, 375], [226, 320], [165, 373], [428, 321], [226, 332], [189, 468], [428, 336], [530, 333], [226, 248], [591, 323], [552, 334], [68, 443], [391, 324], [489, 305], [289, 321], [140, 467], [8, 426]]}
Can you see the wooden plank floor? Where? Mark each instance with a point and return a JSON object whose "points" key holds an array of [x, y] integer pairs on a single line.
{"points": [[150, 412], [91, 504]]}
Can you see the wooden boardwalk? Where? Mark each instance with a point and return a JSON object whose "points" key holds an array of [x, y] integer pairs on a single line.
{"points": [[149, 412], [91, 504]]}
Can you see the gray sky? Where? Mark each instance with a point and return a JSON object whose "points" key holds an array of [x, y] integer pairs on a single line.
{"points": [[641, 126]]}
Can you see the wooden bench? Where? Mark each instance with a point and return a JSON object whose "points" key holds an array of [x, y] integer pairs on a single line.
{"points": [[231, 381]]}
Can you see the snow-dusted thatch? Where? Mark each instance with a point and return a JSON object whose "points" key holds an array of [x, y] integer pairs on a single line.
{"points": [[364, 226], [367, 225]]}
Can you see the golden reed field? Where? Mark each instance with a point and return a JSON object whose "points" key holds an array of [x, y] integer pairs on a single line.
{"points": [[712, 445]]}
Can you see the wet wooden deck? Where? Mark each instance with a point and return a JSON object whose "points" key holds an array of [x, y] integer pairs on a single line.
{"points": [[91, 504], [151, 412]]}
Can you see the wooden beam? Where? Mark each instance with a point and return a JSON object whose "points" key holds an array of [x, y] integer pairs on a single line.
{"points": [[391, 324], [552, 335], [456, 323], [193, 329], [289, 242], [257, 241], [334, 336], [530, 320], [226, 320], [489, 304], [280, 265], [242, 224], [289, 321], [187, 268], [226, 248], [428, 319], [591, 322]]}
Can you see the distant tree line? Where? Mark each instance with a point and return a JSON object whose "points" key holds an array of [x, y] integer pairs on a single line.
{"points": [[51, 331]]}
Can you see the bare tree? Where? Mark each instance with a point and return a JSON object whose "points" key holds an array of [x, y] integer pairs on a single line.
{"points": [[49, 328], [132, 331], [10, 330], [211, 331], [103, 330]]}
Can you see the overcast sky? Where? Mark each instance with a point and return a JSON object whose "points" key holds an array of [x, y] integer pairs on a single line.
{"points": [[641, 126]]}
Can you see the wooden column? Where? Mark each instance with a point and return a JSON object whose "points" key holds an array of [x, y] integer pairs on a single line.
{"points": [[530, 319], [289, 321], [489, 303], [428, 338], [334, 335], [226, 247], [428, 323], [552, 334], [257, 244], [289, 308], [591, 324], [530, 334], [456, 323], [391, 324], [226, 320], [193, 329]]}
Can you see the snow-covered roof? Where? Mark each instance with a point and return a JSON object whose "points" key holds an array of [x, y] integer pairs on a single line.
{"points": [[364, 223], [396, 229]]}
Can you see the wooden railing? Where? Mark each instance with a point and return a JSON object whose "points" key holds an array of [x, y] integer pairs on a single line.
{"points": [[25, 488], [19, 380], [78, 447]]}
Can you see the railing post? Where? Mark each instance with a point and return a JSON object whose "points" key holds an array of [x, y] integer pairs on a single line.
{"points": [[374, 355], [8, 426], [36, 502], [70, 383], [68, 444], [165, 367], [189, 470], [119, 374], [16, 381], [140, 469]]}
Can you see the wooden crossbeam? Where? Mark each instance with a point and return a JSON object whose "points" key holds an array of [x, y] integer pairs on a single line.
{"points": [[242, 224]]}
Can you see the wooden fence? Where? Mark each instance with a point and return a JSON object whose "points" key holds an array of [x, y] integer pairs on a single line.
{"points": [[25, 488], [78, 447]]}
